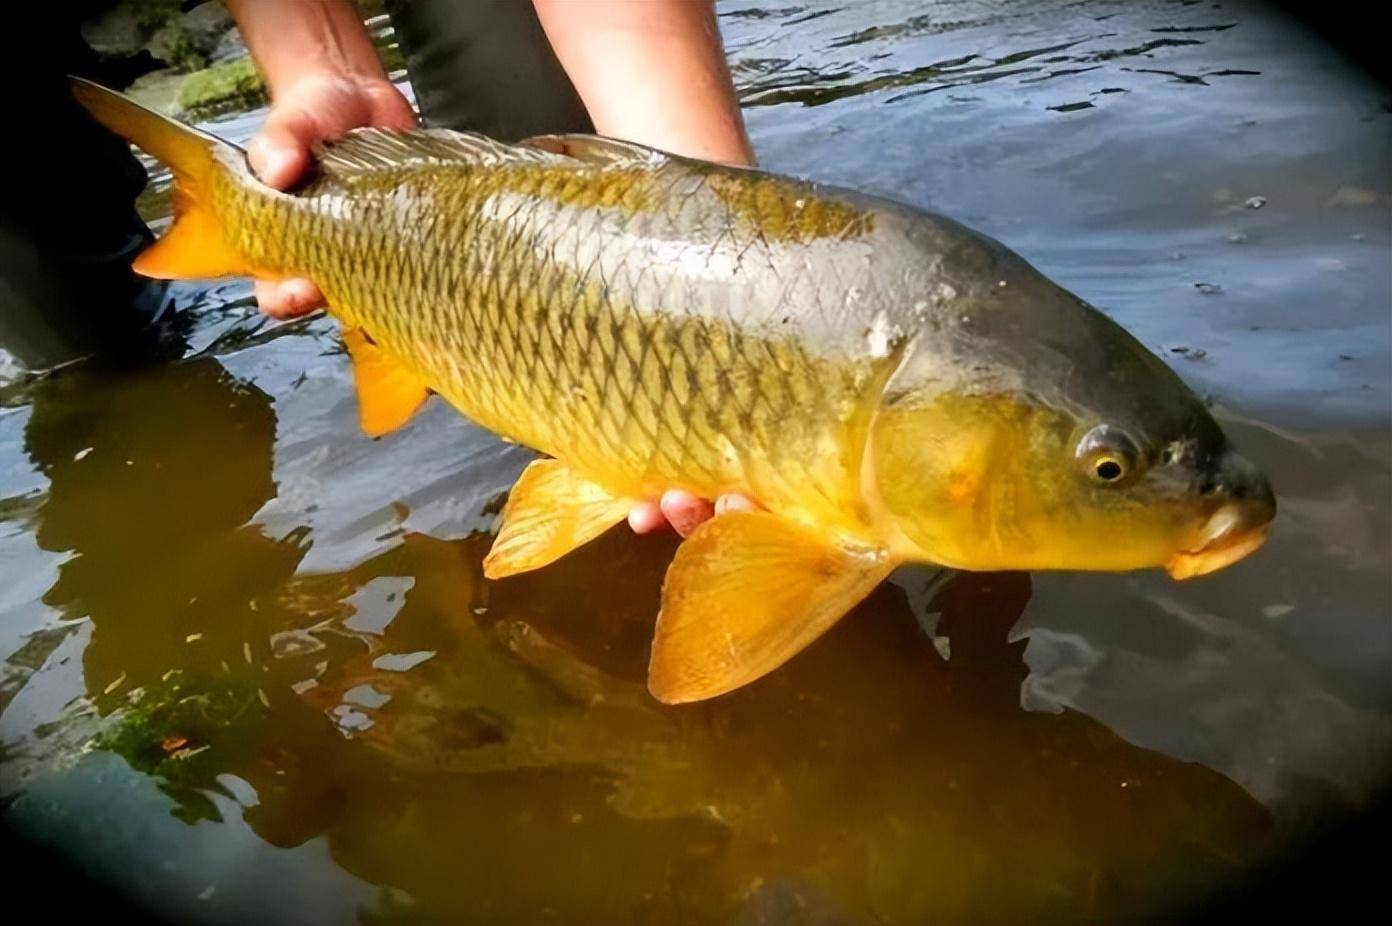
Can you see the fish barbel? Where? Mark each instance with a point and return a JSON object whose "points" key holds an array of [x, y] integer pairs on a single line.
{"points": [[888, 384]]}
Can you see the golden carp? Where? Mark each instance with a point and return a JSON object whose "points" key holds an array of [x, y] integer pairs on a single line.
{"points": [[891, 386]]}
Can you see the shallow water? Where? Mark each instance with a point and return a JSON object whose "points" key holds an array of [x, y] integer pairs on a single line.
{"points": [[251, 669]]}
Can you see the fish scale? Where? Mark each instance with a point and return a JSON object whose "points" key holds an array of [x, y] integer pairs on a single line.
{"points": [[607, 359]]}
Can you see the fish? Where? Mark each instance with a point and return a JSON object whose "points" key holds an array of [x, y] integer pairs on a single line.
{"points": [[889, 385]]}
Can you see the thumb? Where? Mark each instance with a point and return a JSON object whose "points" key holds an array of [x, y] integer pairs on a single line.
{"points": [[280, 153]]}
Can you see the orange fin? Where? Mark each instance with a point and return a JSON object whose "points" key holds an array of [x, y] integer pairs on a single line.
{"points": [[194, 246], [746, 592], [549, 512], [388, 395]]}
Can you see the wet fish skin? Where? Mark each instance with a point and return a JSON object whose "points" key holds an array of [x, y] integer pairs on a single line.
{"points": [[657, 323], [891, 385]]}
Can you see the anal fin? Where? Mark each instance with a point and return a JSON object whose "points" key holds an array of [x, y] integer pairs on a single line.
{"points": [[550, 511], [388, 395], [746, 592]]}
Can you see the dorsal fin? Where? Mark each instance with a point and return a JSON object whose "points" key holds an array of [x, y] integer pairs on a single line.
{"points": [[367, 150], [594, 149]]}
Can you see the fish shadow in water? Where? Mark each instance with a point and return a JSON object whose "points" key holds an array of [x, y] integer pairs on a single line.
{"points": [[867, 778]]}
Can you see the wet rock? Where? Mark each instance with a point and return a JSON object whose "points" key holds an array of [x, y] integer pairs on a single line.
{"points": [[172, 46], [206, 24], [152, 31], [229, 47], [158, 90], [123, 30], [234, 85], [188, 42]]}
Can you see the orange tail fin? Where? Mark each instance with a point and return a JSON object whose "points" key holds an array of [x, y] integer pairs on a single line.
{"points": [[194, 246]]}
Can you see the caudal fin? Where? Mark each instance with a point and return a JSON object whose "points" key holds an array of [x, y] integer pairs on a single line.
{"points": [[195, 245]]}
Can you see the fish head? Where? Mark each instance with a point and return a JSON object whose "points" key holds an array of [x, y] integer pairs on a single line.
{"points": [[1033, 432]]}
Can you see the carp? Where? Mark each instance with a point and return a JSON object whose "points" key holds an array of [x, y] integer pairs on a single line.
{"points": [[889, 385]]}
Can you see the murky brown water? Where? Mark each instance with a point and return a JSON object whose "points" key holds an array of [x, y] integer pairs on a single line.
{"points": [[252, 672]]}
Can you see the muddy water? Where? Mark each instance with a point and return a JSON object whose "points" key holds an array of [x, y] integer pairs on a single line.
{"points": [[252, 672]]}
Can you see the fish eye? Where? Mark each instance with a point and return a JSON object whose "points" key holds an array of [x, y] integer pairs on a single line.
{"points": [[1108, 456], [1108, 469]]}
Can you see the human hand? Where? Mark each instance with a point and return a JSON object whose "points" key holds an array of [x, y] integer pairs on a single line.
{"points": [[315, 107], [684, 512]]}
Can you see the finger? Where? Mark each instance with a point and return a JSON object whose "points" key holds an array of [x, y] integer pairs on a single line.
{"points": [[684, 511], [646, 518], [280, 153], [283, 299], [734, 502], [390, 109]]}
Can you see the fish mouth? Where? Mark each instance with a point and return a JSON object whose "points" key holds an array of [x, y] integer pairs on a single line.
{"points": [[1229, 536]]}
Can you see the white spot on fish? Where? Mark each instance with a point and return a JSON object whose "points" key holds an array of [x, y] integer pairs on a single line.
{"points": [[882, 335]]}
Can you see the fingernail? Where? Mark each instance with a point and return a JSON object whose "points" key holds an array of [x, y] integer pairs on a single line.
{"points": [[302, 293], [728, 503], [685, 511], [280, 167], [645, 518], [677, 498], [256, 156]]}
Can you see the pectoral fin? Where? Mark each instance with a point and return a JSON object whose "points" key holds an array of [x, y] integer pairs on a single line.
{"points": [[549, 512], [388, 395], [747, 592]]}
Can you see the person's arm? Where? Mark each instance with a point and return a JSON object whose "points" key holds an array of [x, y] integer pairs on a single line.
{"points": [[651, 72], [324, 79], [654, 72]]}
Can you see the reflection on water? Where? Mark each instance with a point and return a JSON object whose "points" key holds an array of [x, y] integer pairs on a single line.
{"points": [[491, 749], [215, 587]]}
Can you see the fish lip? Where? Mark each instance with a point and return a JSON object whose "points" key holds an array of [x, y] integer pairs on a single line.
{"points": [[1223, 550]]}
